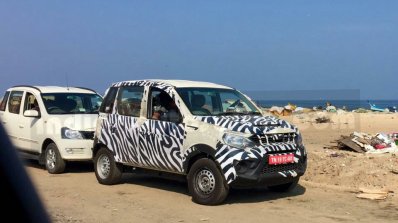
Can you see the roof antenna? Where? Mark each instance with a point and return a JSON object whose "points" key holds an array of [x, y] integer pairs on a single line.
{"points": [[67, 82]]}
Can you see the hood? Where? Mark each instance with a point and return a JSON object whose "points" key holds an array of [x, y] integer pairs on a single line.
{"points": [[250, 124]]}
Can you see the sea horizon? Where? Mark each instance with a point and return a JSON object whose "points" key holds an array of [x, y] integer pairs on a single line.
{"points": [[342, 104]]}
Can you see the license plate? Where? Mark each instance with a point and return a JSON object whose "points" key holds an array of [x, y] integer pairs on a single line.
{"points": [[281, 159]]}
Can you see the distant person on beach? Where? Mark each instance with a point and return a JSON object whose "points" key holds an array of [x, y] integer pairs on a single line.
{"points": [[330, 107]]}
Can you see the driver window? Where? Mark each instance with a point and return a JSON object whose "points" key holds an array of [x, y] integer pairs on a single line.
{"points": [[163, 107], [31, 102]]}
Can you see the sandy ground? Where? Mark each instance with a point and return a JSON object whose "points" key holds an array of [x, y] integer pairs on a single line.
{"points": [[326, 193]]}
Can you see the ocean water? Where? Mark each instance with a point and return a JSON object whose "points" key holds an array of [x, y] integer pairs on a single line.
{"points": [[348, 104]]}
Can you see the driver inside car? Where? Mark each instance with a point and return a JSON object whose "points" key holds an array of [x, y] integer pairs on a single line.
{"points": [[167, 110]]}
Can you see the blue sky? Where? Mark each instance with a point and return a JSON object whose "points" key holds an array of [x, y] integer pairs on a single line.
{"points": [[249, 45]]}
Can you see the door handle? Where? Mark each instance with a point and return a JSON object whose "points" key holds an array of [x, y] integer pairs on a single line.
{"points": [[193, 127], [21, 126]]}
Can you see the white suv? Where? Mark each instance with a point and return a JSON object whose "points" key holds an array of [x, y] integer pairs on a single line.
{"points": [[51, 124], [212, 134]]}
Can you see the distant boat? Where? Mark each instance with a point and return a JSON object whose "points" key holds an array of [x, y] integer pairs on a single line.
{"points": [[373, 107]]}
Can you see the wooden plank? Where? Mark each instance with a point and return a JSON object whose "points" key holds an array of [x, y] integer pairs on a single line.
{"points": [[352, 145]]}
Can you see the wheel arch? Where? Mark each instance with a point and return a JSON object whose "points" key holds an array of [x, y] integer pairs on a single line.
{"points": [[199, 151], [46, 142], [97, 147]]}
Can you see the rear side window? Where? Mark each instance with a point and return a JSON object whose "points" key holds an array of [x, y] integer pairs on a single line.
{"points": [[14, 103], [4, 101], [129, 101], [107, 104]]}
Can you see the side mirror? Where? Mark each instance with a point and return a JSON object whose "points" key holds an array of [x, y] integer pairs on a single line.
{"points": [[31, 113]]}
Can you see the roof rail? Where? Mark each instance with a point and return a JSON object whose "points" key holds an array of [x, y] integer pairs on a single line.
{"points": [[88, 89], [30, 86]]}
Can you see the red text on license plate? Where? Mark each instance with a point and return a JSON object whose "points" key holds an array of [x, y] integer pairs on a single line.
{"points": [[281, 159]]}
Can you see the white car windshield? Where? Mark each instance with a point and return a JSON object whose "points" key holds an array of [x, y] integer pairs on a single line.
{"points": [[216, 101], [71, 103]]}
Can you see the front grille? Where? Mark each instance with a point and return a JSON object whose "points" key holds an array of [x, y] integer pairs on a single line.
{"points": [[279, 168], [87, 134], [274, 138]]}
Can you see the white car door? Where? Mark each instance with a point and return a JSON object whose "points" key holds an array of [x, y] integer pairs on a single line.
{"points": [[30, 128], [12, 117]]}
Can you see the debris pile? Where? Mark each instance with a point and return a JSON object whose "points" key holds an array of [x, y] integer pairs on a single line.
{"points": [[280, 111], [322, 117], [363, 142]]}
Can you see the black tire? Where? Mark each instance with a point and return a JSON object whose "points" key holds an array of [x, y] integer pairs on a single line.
{"points": [[206, 184], [53, 160], [284, 187], [107, 171]]}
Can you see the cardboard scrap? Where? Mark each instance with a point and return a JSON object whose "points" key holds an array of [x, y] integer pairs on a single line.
{"points": [[373, 191], [372, 194]]}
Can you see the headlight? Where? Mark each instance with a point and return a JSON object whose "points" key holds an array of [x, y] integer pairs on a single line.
{"points": [[237, 141], [299, 140], [67, 133]]}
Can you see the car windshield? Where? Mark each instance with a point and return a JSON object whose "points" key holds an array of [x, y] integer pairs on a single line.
{"points": [[216, 101], [71, 103]]}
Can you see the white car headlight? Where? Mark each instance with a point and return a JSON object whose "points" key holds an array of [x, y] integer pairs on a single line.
{"points": [[67, 133], [237, 141]]}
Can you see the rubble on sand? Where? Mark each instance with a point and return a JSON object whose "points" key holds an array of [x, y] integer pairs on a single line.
{"points": [[321, 117], [367, 143]]}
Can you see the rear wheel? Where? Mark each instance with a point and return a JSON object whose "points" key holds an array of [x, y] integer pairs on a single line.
{"points": [[284, 187], [54, 162], [206, 183], [107, 170]]}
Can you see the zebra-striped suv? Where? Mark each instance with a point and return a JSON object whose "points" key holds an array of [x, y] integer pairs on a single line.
{"points": [[212, 134]]}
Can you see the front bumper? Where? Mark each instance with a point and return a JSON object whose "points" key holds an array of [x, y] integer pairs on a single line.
{"points": [[264, 174], [75, 149], [250, 166]]}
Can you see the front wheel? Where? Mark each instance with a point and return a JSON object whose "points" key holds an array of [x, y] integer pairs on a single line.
{"points": [[54, 162], [107, 170], [206, 183], [284, 187]]}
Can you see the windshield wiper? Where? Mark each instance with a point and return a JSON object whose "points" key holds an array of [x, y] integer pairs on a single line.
{"points": [[230, 113], [85, 112], [253, 113], [238, 113]]}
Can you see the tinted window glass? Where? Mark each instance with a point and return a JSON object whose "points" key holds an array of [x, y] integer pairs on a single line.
{"points": [[71, 103], [129, 101], [162, 107], [4, 101], [31, 102], [14, 103], [213, 101], [107, 104]]}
